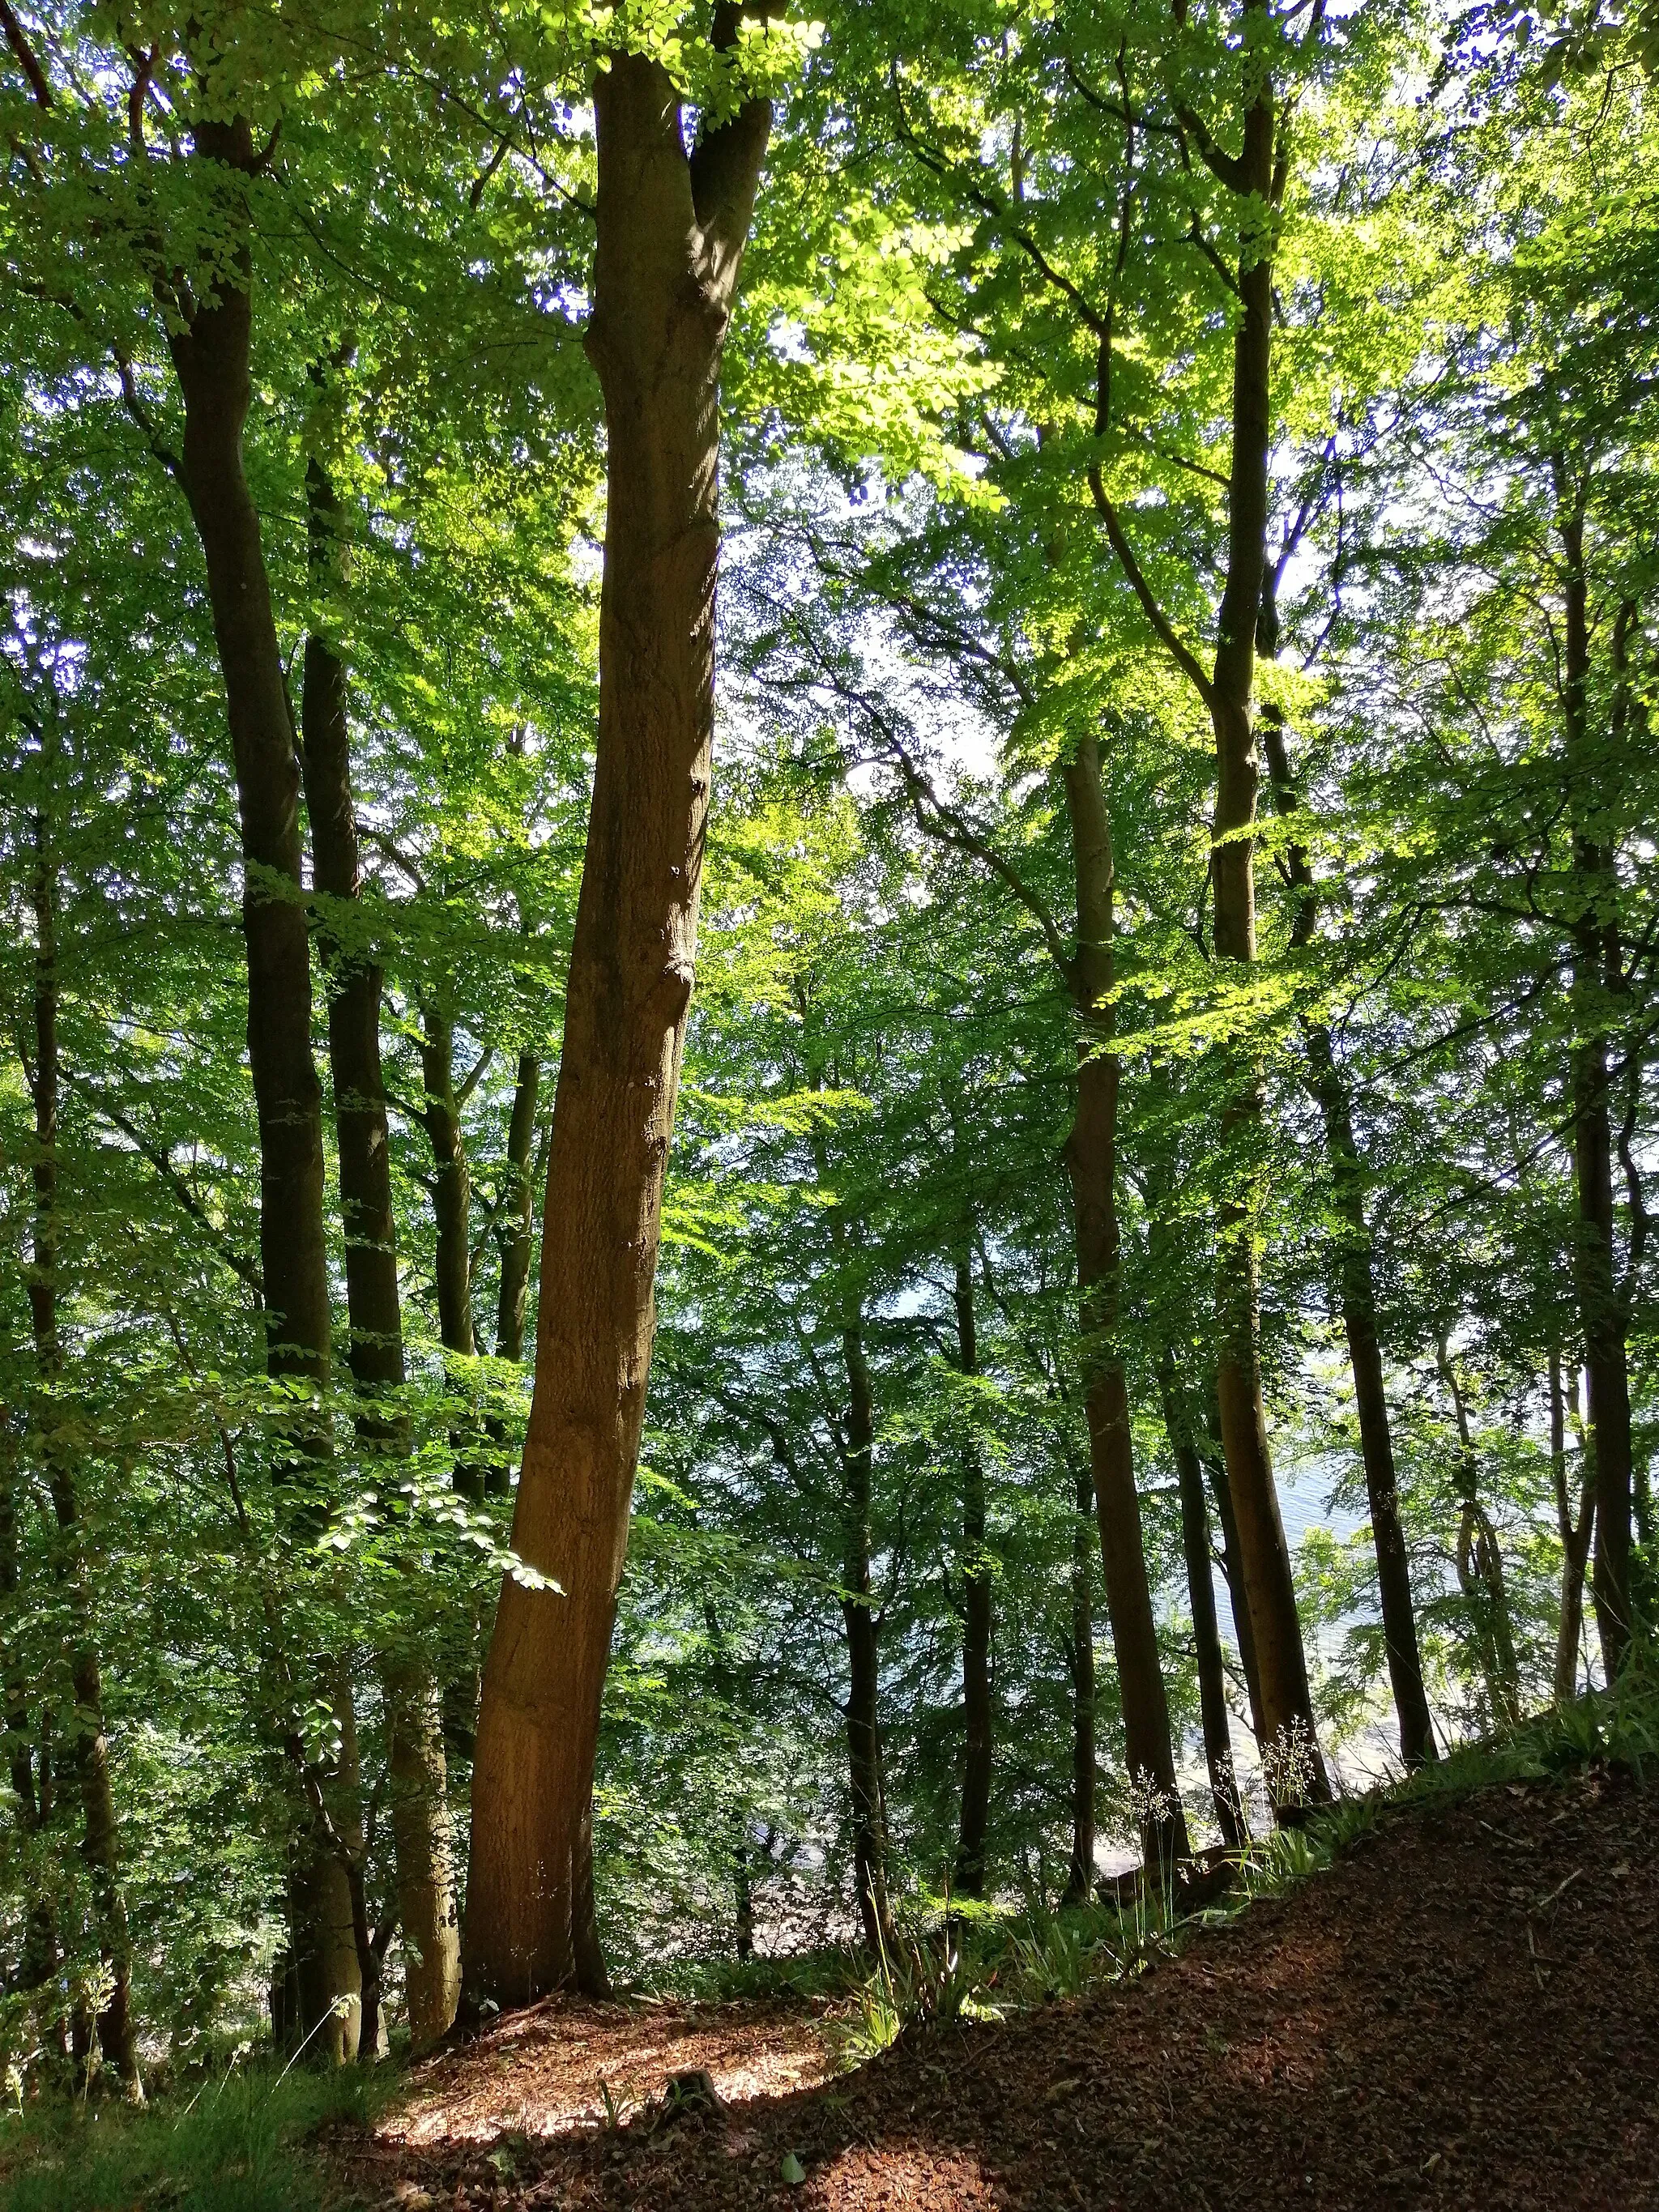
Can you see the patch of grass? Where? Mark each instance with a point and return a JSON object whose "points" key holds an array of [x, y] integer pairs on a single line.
{"points": [[236, 2143]]}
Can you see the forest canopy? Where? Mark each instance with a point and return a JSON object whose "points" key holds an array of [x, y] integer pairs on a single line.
{"points": [[685, 1269]]}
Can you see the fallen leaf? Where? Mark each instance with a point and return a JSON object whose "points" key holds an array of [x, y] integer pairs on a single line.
{"points": [[1057, 2090], [792, 2170]]}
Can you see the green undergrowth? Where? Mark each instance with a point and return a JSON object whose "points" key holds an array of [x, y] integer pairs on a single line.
{"points": [[236, 2142]]}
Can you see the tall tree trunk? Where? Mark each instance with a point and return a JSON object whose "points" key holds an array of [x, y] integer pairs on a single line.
{"points": [[89, 1750], [969, 1874], [419, 1810], [863, 1650], [671, 234], [1215, 1466], [1091, 1160], [1575, 1537], [1596, 984], [1357, 1288], [210, 342], [1080, 1875], [1292, 1742], [1200, 1588]]}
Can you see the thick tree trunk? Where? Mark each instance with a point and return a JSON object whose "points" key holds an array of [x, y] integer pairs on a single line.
{"points": [[1359, 1300], [863, 1652], [1080, 1875], [671, 231], [970, 1873], [1596, 984], [1575, 1539], [89, 1750], [1091, 1160], [211, 355], [1200, 1588], [419, 1811]]}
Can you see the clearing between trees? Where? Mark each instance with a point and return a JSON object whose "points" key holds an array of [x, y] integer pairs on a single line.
{"points": [[1463, 2010]]}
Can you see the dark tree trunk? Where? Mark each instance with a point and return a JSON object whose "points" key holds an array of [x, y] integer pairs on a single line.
{"points": [[1292, 1742], [671, 232], [1597, 988], [452, 1184], [99, 1843], [419, 1810], [863, 1652], [1080, 1875], [1359, 1300], [515, 1220], [969, 1874], [1200, 1588], [1091, 1160], [1221, 1491], [1574, 1538], [211, 347]]}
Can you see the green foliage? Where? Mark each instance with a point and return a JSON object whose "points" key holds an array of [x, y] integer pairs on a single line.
{"points": [[237, 2142]]}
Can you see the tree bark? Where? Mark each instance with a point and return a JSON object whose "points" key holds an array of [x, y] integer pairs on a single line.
{"points": [[419, 1811], [1215, 1466], [1359, 1298], [1092, 1161], [89, 1750], [1596, 984], [1480, 1562], [211, 346], [211, 355], [969, 1872], [515, 1220], [1264, 1556], [1575, 1539], [671, 232], [1080, 1875], [863, 1651], [1201, 1587]]}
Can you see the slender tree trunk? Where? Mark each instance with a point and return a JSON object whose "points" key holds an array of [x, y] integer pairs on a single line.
{"points": [[969, 1874], [1480, 1561], [38, 1952], [1575, 1537], [1597, 988], [420, 1810], [1091, 1160], [1264, 1555], [1080, 1875], [99, 1843], [1201, 1587], [1215, 1466], [451, 1186], [515, 1220], [863, 1651], [1357, 1290], [212, 349], [671, 232]]}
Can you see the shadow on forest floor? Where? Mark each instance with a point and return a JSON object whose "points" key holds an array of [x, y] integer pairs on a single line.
{"points": [[1463, 2010]]}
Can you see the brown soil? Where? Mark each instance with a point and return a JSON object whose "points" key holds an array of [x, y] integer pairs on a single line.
{"points": [[1465, 2011]]}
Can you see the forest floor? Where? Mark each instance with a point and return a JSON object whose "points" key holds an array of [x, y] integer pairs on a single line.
{"points": [[1463, 2010]]}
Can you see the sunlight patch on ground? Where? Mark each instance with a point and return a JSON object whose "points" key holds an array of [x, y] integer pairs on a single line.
{"points": [[540, 2074]]}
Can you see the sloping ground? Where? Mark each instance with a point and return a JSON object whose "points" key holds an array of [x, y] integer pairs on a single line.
{"points": [[1465, 2011]]}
